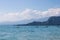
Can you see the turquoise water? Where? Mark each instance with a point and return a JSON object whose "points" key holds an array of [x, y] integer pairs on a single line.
{"points": [[29, 33]]}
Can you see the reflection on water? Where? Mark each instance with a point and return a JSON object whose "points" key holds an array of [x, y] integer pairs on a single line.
{"points": [[29, 33]]}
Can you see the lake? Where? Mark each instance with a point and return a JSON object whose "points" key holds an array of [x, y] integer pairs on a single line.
{"points": [[29, 32]]}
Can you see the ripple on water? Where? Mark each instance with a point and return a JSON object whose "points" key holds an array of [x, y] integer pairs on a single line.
{"points": [[30, 33]]}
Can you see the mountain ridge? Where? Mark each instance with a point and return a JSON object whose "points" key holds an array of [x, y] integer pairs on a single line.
{"points": [[54, 20]]}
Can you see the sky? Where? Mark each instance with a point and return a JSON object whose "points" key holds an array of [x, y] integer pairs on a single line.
{"points": [[25, 11]]}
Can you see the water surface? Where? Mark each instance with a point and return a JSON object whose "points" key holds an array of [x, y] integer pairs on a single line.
{"points": [[29, 33]]}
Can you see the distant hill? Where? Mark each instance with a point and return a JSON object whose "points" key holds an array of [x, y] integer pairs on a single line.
{"points": [[54, 20]]}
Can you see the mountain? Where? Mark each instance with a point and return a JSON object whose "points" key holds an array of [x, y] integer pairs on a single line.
{"points": [[54, 20]]}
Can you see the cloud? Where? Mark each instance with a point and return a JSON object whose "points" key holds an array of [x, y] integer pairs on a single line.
{"points": [[29, 14]]}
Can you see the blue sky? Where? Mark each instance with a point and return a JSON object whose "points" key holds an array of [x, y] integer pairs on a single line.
{"points": [[24, 11], [17, 5]]}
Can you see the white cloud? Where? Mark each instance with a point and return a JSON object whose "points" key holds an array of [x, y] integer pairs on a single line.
{"points": [[29, 14]]}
